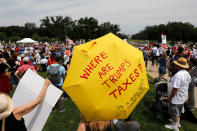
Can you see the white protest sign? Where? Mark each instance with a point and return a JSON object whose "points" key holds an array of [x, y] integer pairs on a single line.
{"points": [[27, 90], [163, 37]]}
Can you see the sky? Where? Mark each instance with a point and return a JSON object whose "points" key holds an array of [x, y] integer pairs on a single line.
{"points": [[132, 15]]}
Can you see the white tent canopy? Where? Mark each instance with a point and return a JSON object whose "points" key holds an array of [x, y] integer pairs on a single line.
{"points": [[26, 40]]}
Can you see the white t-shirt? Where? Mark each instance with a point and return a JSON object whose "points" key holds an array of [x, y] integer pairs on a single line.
{"points": [[181, 81], [44, 61]]}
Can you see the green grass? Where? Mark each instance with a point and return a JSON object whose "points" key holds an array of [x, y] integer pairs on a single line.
{"points": [[69, 119]]}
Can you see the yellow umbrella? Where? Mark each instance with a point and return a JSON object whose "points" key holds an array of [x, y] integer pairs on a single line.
{"points": [[106, 79]]}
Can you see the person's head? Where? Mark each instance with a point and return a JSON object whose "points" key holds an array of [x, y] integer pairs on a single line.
{"points": [[22, 56], [53, 56], [26, 60], [3, 67], [42, 56], [58, 59], [180, 50], [99, 125], [180, 63], [13, 56], [6, 105], [164, 56]]}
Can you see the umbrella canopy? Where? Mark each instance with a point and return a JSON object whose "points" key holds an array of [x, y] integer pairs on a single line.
{"points": [[106, 79], [27, 40]]}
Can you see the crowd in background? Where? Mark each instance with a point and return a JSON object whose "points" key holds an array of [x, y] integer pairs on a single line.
{"points": [[15, 60]]}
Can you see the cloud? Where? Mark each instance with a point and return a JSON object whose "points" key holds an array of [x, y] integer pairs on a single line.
{"points": [[131, 15]]}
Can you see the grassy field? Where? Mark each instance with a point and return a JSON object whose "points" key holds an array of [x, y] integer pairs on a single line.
{"points": [[69, 119]]}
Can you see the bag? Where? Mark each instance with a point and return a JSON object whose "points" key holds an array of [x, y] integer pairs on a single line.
{"points": [[54, 74]]}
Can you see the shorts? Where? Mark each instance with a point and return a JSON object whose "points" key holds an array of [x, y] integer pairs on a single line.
{"points": [[175, 109]]}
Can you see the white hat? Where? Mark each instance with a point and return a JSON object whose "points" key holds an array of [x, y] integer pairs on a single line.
{"points": [[26, 59], [6, 105]]}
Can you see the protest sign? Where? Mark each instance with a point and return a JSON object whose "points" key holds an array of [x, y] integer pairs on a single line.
{"points": [[106, 79], [164, 41], [27, 90]]}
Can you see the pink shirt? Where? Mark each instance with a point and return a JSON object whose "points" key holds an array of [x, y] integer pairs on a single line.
{"points": [[25, 67]]}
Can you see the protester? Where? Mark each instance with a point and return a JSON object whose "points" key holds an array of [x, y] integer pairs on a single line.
{"points": [[23, 68], [95, 126], [127, 125], [13, 62], [178, 91], [43, 62], [193, 72], [162, 68], [12, 119], [31, 58], [52, 59], [56, 74], [22, 62], [146, 55], [5, 77]]}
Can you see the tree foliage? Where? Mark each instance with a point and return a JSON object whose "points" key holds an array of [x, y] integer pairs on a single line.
{"points": [[59, 27], [175, 31]]}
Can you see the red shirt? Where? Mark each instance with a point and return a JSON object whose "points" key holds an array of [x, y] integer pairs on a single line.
{"points": [[24, 68], [5, 85], [22, 62], [51, 62], [16, 50]]}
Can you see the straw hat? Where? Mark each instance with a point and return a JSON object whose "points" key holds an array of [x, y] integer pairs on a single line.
{"points": [[182, 62], [6, 105]]}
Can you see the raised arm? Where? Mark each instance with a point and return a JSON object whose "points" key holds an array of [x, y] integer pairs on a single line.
{"points": [[22, 110]]}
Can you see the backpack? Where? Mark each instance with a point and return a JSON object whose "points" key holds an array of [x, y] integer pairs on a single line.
{"points": [[54, 74]]}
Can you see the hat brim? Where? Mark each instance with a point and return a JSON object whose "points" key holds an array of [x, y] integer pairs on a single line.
{"points": [[6, 113], [186, 66]]}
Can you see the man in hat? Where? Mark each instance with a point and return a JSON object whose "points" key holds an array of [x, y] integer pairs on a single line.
{"points": [[177, 92], [23, 68]]}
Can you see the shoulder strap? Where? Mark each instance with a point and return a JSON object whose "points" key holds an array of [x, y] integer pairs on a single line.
{"points": [[23, 68]]}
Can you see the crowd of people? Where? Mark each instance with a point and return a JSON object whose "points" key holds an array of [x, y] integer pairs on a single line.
{"points": [[179, 61], [54, 60]]}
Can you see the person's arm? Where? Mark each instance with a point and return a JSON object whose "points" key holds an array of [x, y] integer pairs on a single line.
{"points": [[63, 73], [8, 75], [16, 74], [22, 110], [81, 127], [173, 93]]}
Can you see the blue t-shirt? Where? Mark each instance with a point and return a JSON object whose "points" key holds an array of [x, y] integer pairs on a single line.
{"points": [[61, 71], [58, 53], [31, 60]]}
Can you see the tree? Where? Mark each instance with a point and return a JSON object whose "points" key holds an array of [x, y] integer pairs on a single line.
{"points": [[30, 26], [175, 31], [15, 38], [107, 27], [36, 37], [2, 36], [56, 26], [87, 27]]}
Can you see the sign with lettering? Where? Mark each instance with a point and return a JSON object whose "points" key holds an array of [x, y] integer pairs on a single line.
{"points": [[106, 79]]}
